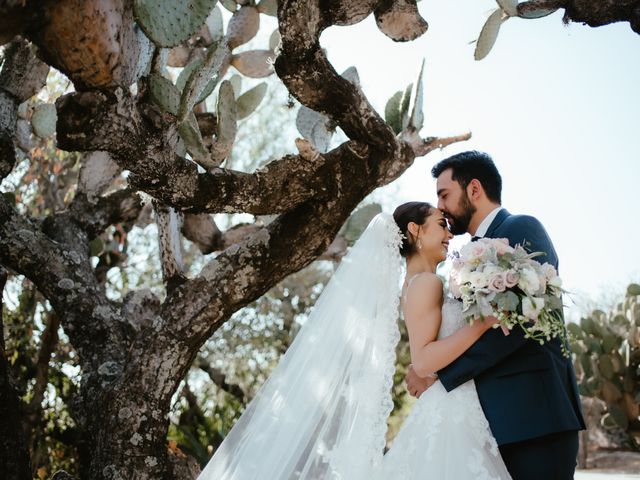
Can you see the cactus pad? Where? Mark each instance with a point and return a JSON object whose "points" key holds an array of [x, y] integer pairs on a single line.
{"points": [[164, 93], [200, 77], [488, 34], [268, 7], [44, 120], [250, 100], [169, 23], [243, 26], [226, 127], [254, 63]]}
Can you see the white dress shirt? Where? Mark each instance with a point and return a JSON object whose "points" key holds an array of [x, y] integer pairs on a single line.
{"points": [[484, 225]]}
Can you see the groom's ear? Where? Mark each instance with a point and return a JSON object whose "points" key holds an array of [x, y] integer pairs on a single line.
{"points": [[475, 189]]}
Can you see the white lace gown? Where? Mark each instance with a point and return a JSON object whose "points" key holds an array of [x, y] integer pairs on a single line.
{"points": [[446, 436]]}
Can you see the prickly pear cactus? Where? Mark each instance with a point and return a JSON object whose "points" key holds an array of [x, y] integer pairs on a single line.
{"points": [[226, 127], [44, 120], [268, 7], [243, 26], [169, 23], [315, 127], [164, 93], [250, 100], [606, 349], [489, 34], [199, 80], [392, 113], [254, 63]]}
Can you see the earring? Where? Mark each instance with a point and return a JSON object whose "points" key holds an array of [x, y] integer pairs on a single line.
{"points": [[419, 244]]}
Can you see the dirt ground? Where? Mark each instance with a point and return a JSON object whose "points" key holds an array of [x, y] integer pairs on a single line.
{"points": [[612, 461]]}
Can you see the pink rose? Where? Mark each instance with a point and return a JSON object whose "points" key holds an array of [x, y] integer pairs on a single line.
{"points": [[510, 278], [502, 246], [497, 283]]}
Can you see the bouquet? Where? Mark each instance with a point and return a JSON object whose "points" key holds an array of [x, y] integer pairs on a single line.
{"points": [[494, 279]]}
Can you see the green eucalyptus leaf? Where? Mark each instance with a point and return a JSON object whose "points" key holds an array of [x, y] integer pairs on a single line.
{"points": [[507, 301]]}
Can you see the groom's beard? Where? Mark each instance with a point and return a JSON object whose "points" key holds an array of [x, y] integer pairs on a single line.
{"points": [[459, 221]]}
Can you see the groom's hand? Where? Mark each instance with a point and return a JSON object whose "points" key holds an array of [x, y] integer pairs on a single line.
{"points": [[417, 385]]}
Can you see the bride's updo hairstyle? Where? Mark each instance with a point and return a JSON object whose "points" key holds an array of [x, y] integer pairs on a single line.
{"points": [[406, 213]]}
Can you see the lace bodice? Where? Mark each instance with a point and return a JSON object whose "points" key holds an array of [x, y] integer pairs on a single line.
{"points": [[452, 319]]}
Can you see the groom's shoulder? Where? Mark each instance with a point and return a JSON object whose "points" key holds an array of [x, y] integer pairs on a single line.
{"points": [[519, 222]]}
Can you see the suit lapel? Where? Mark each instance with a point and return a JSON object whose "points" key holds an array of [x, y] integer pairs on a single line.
{"points": [[500, 218]]}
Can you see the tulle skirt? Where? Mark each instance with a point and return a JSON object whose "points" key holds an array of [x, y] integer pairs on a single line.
{"points": [[446, 436]]}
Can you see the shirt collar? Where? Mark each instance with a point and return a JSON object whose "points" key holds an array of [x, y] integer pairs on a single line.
{"points": [[486, 223]]}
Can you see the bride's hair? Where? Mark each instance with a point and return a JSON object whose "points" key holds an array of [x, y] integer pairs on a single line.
{"points": [[416, 212]]}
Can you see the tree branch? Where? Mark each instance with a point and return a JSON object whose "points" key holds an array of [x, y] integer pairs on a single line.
{"points": [[48, 342], [63, 274], [303, 67], [93, 217], [594, 13], [142, 140], [14, 455], [220, 380]]}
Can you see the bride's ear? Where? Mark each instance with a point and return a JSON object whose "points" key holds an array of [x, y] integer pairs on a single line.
{"points": [[412, 229]]}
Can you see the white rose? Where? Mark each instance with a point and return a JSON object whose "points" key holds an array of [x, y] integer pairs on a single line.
{"points": [[492, 270], [479, 279], [555, 282], [549, 271], [531, 307], [529, 281], [463, 275]]}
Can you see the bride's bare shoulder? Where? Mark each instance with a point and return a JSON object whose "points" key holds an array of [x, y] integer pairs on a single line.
{"points": [[424, 289]]}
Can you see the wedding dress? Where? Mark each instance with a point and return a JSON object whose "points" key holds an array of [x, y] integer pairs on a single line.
{"points": [[322, 413], [446, 435]]}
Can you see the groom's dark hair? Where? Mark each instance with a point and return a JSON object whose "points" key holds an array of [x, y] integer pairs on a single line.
{"points": [[466, 166]]}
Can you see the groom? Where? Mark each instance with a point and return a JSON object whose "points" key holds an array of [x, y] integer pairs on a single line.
{"points": [[528, 391]]}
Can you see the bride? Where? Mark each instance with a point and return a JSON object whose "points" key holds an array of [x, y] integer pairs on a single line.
{"points": [[322, 413]]}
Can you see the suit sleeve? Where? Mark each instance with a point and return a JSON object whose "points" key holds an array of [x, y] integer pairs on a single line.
{"points": [[494, 346]]}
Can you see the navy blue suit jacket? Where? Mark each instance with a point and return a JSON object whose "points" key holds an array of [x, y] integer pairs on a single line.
{"points": [[526, 390]]}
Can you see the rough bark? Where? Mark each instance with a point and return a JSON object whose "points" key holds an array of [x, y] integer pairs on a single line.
{"points": [[134, 354], [14, 455], [594, 13]]}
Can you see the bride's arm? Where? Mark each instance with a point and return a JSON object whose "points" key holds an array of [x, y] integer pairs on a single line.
{"points": [[422, 315]]}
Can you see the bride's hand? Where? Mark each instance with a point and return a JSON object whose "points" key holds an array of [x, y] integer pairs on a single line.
{"points": [[416, 385]]}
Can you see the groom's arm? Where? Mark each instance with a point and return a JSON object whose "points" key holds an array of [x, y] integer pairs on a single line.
{"points": [[494, 346]]}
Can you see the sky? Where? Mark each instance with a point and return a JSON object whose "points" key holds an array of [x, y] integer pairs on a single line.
{"points": [[557, 108]]}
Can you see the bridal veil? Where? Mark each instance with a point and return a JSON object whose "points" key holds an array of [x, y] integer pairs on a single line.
{"points": [[322, 413]]}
